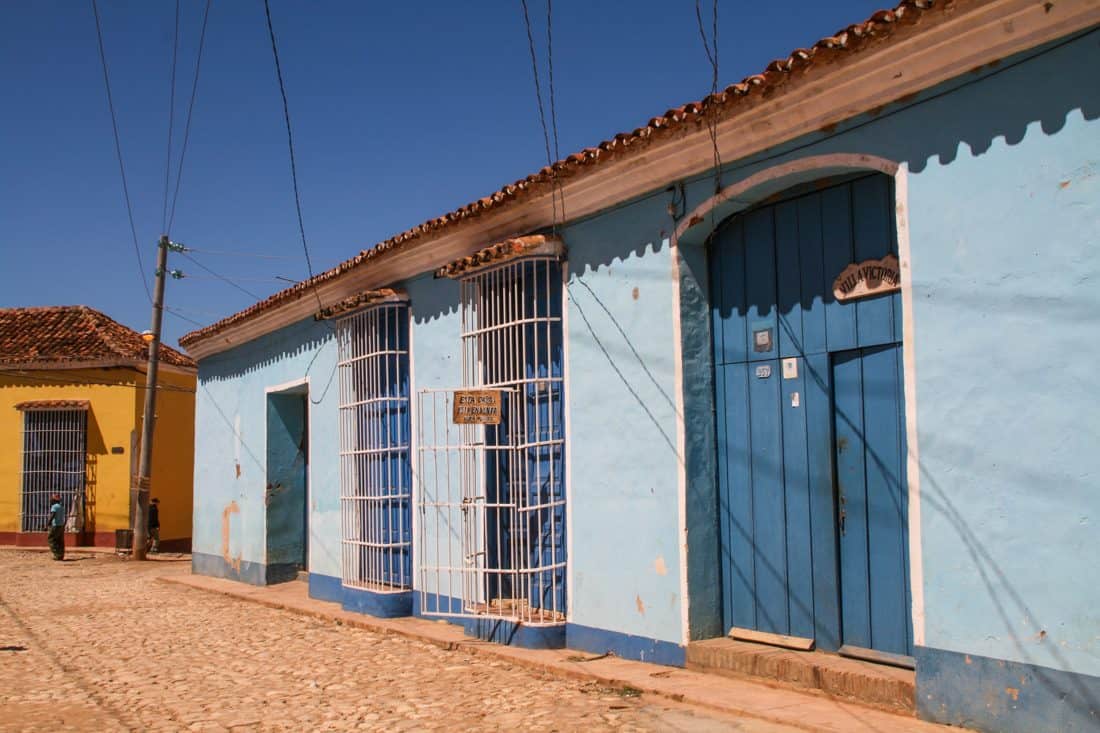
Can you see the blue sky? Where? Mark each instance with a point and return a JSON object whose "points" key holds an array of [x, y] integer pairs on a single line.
{"points": [[401, 112]]}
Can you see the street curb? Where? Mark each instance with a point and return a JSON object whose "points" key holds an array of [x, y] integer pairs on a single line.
{"points": [[450, 637]]}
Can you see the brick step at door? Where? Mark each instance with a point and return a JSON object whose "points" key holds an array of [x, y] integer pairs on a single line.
{"points": [[876, 685]]}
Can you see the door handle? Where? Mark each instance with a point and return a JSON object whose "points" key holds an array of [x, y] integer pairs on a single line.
{"points": [[843, 517]]}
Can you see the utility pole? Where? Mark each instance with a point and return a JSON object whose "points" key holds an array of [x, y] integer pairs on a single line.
{"points": [[145, 462]]}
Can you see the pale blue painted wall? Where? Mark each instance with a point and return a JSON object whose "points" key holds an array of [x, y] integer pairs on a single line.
{"points": [[231, 418], [624, 463]]}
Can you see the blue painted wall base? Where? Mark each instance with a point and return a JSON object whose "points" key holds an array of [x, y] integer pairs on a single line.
{"points": [[215, 566], [325, 588], [997, 695], [494, 630], [379, 605], [626, 646]]}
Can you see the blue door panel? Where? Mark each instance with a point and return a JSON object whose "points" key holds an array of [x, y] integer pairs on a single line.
{"points": [[729, 293], [851, 498], [823, 530], [738, 492], [872, 493], [760, 286], [887, 535], [872, 238], [796, 487], [836, 240], [811, 275], [788, 281], [766, 465]]}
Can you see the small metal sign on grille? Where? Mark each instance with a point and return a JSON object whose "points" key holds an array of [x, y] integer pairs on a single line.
{"points": [[477, 407]]}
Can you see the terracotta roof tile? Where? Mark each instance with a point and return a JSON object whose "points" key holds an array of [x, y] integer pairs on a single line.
{"points": [[879, 26], [71, 334], [53, 405]]}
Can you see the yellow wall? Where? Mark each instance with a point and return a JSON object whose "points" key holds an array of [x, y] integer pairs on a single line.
{"points": [[114, 421], [173, 452]]}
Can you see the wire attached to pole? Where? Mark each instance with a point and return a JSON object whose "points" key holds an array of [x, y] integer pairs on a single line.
{"points": [[118, 151]]}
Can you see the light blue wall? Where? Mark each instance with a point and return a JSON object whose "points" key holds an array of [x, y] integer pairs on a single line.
{"points": [[231, 419], [623, 456]]}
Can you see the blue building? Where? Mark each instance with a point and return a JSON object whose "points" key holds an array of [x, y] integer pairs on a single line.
{"points": [[834, 394]]}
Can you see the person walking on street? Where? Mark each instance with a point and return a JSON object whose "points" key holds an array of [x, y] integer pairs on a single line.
{"points": [[55, 528], [154, 525]]}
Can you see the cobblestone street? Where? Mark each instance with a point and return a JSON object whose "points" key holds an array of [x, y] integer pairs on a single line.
{"points": [[96, 643]]}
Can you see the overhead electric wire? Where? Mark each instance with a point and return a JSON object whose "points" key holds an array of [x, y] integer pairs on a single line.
{"points": [[553, 107], [223, 278], [190, 111], [541, 108], [175, 312], [118, 150], [711, 49], [290, 146], [171, 119], [240, 254]]}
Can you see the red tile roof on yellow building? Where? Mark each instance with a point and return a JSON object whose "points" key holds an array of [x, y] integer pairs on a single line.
{"points": [[881, 27], [71, 335], [53, 405]]}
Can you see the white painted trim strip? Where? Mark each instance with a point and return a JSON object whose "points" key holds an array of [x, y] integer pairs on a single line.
{"points": [[681, 442], [909, 369]]}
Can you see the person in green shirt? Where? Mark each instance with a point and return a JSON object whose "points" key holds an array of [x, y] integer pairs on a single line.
{"points": [[55, 528]]}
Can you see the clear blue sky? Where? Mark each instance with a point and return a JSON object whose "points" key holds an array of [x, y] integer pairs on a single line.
{"points": [[401, 112]]}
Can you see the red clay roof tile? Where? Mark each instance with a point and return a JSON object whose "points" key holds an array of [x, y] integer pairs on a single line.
{"points": [[70, 334]]}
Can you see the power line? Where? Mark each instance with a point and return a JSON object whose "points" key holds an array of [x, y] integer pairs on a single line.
{"points": [[553, 109], [186, 276], [223, 278], [290, 145], [226, 253], [711, 49], [176, 313], [171, 119], [118, 150], [190, 111], [542, 112]]}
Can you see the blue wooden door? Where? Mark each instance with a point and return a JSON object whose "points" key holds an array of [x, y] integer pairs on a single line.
{"points": [[781, 342], [873, 514]]}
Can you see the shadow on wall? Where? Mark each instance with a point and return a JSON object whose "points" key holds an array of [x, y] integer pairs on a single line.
{"points": [[94, 447], [1066, 85], [306, 336]]}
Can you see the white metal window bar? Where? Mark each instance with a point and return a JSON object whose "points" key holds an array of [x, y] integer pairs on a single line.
{"points": [[375, 475], [500, 489], [54, 462]]}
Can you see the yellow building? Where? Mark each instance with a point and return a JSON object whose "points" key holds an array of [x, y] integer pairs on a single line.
{"points": [[72, 393]]}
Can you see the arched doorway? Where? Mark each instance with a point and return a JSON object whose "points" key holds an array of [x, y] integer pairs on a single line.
{"points": [[813, 515]]}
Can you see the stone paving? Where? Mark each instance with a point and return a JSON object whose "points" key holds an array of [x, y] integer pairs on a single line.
{"points": [[96, 644]]}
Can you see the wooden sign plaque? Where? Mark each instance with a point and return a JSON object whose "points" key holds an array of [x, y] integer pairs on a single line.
{"points": [[477, 407], [867, 278]]}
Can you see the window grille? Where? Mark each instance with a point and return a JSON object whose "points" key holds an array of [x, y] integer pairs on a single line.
{"points": [[512, 340], [54, 462], [375, 475]]}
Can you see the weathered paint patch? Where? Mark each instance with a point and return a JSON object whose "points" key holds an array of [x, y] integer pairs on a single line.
{"points": [[995, 694], [230, 509], [659, 566]]}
